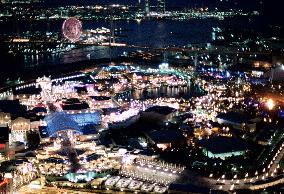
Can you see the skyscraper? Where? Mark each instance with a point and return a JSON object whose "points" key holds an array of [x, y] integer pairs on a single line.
{"points": [[147, 7], [140, 5], [161, 7]]}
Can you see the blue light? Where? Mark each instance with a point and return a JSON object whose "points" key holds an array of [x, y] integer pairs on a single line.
{"points": [[281, 113], [228, 74], [61, 121], [164, 65]]}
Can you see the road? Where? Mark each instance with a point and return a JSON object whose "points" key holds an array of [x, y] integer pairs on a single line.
{"points": [[71, 152], [232, 184]]}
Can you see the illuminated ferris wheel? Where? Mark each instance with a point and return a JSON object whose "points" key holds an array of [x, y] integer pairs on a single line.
{"points": [[72, 29]]}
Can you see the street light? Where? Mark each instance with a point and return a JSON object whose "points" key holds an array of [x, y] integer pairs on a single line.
{"points": [[270, 104]]}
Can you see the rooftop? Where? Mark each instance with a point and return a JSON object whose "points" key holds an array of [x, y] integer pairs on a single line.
{"points": [[77, 106], [60, 121], [4, 134], [166, 136], [13, 107], [100, 98], [219, 145], [235, 117], [29, 90], [165, 110]]}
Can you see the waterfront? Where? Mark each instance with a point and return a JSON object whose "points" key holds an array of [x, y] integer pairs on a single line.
{"points": [[140, 98], [151, 33]]}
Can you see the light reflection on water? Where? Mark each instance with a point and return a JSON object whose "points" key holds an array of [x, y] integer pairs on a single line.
{"points": [[152, 33], [158, 92], [163, 91], [75, 55]]}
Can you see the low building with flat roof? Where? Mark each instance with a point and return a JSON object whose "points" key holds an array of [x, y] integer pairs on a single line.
{"points": [[13, 107], [165, 138], [238, 120], [158, 113], [223, 147]]}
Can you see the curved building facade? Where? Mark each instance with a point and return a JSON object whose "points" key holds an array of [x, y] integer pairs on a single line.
{"points": [[61, 121]]}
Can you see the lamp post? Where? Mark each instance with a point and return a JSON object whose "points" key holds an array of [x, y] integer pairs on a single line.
{"points": [[270, 104]]}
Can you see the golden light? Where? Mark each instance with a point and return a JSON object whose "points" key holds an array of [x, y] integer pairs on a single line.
{"points": [[270, 104]]}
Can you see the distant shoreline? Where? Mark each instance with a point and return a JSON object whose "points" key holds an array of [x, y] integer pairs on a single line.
{"points": [[30, 74]]}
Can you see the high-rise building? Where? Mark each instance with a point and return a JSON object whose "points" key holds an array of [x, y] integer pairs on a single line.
{"points": [[161, 7], [140, 5], [147, 7]]}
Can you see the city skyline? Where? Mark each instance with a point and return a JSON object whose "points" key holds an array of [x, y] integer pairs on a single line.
{"points": [[271, 10], [180, 3]]}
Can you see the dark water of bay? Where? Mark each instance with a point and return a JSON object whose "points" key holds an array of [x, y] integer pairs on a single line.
{"points": [[153, 33]]}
